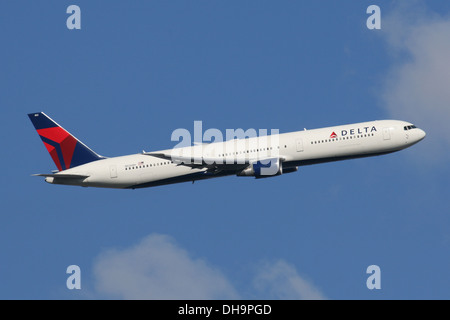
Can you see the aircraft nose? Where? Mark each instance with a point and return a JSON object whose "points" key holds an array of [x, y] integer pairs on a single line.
{"points": [[422, 134]]}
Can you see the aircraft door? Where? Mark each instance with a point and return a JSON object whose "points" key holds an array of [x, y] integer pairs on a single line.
{"points": [[113, 171], [386, 134], [299, 144]]}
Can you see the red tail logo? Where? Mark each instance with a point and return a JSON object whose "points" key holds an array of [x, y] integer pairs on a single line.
{"points": [[65, 150], [57, 138]]}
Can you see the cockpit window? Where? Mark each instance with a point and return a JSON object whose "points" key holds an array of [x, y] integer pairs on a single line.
{"points": [[409, 127]]}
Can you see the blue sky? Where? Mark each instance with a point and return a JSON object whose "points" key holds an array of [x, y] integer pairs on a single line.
{"points": [[137, 71]]}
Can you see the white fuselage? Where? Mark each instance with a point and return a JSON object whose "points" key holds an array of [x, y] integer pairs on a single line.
{"points": [[293, 149]]}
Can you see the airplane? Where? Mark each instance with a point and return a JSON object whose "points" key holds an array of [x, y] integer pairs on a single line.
{"points": [[259, 157]]}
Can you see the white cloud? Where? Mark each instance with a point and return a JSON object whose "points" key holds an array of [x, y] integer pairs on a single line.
{"points": [[280, 280], [157, 268], [417, 86]]}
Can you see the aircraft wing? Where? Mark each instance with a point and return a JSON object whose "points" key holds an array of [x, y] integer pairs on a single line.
{"points": [[214, 165], [240, 166]]}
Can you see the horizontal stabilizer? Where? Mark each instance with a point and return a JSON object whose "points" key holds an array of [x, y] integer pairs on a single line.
{"points": [[61, 176]]}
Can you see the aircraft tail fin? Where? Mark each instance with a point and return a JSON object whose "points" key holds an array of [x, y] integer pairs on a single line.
{"points": [[65, 150]]}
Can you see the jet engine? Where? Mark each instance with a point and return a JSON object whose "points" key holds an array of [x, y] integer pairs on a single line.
{"points": [[266, 168]]}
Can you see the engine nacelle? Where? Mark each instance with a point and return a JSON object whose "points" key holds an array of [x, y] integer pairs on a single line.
{"points": [[263, 168]]}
